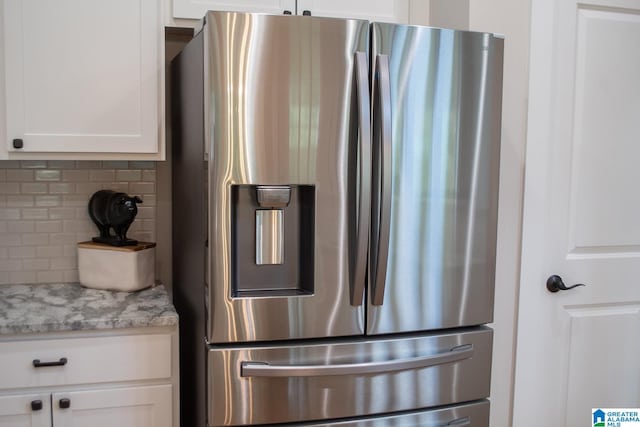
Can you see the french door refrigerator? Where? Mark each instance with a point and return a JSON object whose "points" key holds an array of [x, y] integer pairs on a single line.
{"points": [[335, 209]]}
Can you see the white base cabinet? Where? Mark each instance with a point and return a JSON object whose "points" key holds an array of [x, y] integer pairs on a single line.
{"points": [[97, 380]]}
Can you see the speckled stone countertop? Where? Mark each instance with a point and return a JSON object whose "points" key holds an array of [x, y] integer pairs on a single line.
{"points": [[44, 308]]}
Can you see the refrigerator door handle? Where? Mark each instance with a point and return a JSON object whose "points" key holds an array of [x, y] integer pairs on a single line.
{"points": [[383, 124], [265, 369], [364, 199]]}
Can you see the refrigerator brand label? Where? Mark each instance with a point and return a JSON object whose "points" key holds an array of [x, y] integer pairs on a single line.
{"points": [[615, 417]]}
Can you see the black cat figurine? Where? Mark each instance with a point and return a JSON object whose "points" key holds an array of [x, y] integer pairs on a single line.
{"points": [[112, 210]]}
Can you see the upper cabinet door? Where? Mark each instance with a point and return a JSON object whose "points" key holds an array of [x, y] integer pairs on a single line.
{"points": [[196, 9], [84, 76], [395, 11]]}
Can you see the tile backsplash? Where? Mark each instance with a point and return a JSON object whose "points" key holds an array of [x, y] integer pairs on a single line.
{"points": [[43, 213]]}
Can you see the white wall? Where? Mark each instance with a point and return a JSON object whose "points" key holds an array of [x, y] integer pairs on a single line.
{"points": [[418, 12], [43, 213], [510, 18], [449, 14]]}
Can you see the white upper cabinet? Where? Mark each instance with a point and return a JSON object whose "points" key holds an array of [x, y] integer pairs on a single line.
{"points": [[84, 77], [396, 11], [196, 9], [373, 10]]}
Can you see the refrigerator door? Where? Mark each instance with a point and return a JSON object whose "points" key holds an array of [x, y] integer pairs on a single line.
{"points": [[474, 414], [340, 379], [436, 157], [282, 119]]}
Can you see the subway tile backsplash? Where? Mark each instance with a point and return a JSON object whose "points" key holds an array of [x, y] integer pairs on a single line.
{"points": [[43, 213]]}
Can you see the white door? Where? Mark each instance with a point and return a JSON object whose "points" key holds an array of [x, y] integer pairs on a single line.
{"points": [[580, 349], [122, 407], [25, 410]]}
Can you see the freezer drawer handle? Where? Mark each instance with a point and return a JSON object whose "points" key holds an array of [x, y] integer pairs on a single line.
{"points": [[264, 369]]}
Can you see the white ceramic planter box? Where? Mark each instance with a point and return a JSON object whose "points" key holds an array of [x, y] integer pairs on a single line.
{"points": [[125, 268]]}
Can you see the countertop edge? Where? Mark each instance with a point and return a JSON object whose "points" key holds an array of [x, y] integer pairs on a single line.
{"points": [[44, 308]]}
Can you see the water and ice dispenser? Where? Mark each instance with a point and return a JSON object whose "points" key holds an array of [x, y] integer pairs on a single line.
{"points": [[273, 240]]}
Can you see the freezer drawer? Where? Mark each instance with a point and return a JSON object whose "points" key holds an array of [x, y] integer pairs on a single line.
{"points": [[347, 378], [474, 414]]}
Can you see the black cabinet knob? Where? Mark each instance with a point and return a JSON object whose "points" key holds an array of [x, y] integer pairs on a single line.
{"points": [[555, 284], [286, 12], [36, 405], [18, 143], [306, 12], [64, 403]]}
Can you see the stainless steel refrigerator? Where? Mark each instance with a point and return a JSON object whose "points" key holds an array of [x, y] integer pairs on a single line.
{"points": [[335, 189]]}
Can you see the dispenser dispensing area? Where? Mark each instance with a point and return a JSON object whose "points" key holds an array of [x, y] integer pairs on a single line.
{"points": [[273, 240]]}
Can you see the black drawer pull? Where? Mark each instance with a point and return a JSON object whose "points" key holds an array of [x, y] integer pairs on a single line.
{"points": [[36, 405], [38, 364]]}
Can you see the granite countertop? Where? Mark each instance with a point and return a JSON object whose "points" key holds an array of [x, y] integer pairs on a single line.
{"points": [[70, 307]]}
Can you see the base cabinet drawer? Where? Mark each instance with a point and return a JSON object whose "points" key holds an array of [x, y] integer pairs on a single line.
{"points": [[84, 360]]}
